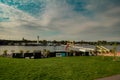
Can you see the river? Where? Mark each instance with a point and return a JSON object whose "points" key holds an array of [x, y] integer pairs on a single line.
{"points": [[10, 49]]}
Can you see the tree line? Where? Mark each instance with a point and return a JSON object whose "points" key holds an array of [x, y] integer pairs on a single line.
{"points": [[54, 42]]}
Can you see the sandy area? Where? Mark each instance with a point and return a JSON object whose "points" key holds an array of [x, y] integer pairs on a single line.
{"points": [[110, 54]]}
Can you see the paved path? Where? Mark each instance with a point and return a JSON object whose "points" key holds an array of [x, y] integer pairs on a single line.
{"points": [[114, 77]]}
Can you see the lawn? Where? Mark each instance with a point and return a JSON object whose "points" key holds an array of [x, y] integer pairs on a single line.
{"points": [[64, 68]]}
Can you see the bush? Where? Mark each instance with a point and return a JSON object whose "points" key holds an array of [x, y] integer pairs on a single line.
{"points": [[5, 53]]}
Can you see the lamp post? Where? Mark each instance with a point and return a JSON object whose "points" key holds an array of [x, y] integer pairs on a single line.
{"points": [[37, 39]]}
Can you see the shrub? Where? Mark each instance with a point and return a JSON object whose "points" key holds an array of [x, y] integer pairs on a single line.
{"points": [[21, 51], [5, 53]]}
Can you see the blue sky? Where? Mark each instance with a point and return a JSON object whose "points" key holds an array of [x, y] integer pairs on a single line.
{"points": [[88, 20]]}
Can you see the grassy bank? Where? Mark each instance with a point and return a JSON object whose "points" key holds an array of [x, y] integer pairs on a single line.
{"points": [[65, 68]]}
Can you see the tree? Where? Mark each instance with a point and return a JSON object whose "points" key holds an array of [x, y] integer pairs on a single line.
{"points": [[114, 51], [44, 42], [71, 53], [45, 53], [5, 53]]}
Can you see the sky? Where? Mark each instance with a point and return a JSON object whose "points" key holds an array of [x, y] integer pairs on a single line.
{"points": [[89, 20]]}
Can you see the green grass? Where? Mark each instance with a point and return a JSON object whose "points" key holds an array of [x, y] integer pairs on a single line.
{"points": [[64, 68]]}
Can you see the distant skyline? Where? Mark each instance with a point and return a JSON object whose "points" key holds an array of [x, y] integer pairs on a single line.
{"points": [[88, 20]]}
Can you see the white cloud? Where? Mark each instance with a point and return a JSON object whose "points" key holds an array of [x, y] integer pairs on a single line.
{"points": [[61, 18]]}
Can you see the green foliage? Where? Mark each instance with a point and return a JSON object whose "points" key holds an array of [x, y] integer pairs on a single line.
{"points": [[46, 53], [71, 53], [114, 51], [5, 52], [27, 51], [21, 51], [64, 68]]}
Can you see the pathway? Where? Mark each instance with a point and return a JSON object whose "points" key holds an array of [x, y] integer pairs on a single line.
{"points": [[114, 77]]}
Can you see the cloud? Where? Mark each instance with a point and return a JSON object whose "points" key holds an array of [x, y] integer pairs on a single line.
{"points": [[95, 20]]}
